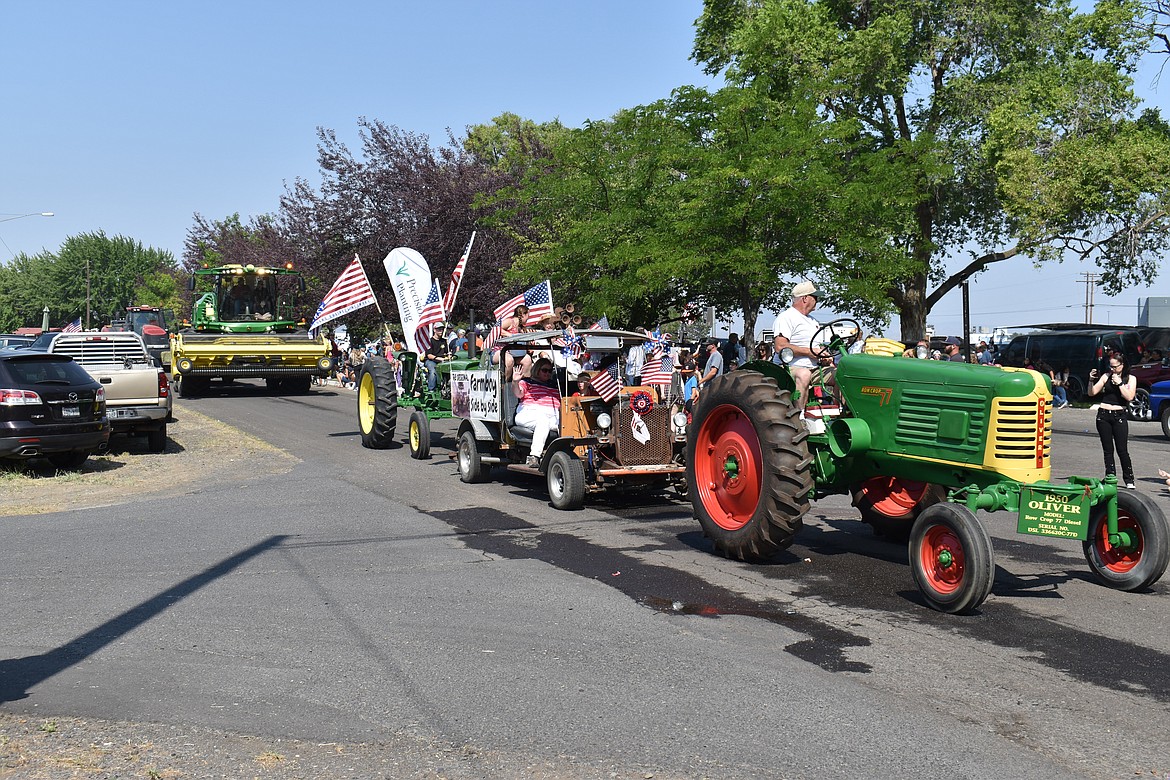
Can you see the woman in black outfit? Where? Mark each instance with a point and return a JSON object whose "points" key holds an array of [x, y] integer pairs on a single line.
{"points": [[1117, 388]]}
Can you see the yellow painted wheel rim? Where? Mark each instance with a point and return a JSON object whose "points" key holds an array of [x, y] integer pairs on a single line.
{"points": [[367, 406], [415, 436]]}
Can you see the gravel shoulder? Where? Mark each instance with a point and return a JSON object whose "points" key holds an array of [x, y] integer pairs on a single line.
{"points": [[199, 451]]}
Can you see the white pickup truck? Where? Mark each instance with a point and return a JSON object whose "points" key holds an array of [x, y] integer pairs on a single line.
{"points": [[138, 394]]}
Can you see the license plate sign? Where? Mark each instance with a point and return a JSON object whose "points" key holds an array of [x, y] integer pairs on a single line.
{"points": [[70, 411], [1047, 512]]}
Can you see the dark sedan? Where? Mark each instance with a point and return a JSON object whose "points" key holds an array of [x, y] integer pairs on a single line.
{"points": [[50, 407]]}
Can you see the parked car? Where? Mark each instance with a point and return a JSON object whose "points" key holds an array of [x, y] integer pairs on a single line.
{"points": [[50, 407], [1160, 405], [13, 341], [138, 394]]}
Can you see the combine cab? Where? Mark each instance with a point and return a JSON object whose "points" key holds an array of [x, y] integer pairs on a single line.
{"points": [[247, 326]]}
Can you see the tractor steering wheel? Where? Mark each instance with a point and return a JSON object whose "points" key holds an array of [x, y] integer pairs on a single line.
{"points": [[825, 343]]}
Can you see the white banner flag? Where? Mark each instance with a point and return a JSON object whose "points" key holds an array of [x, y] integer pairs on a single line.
{"points": [[410, 277]]}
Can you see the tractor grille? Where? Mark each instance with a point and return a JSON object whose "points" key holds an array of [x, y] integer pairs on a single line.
{"points": [[630, 451], [1023, 431]]}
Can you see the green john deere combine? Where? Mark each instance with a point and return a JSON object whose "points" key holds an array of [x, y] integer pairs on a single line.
{"points": [[920, 446], [248, 326]]}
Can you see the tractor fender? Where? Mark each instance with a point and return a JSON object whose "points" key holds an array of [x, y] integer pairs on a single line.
{"points": [[567, 444], [781, 374]]}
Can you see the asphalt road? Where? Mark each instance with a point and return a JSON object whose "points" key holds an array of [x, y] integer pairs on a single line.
{"points": [[365, 596]]}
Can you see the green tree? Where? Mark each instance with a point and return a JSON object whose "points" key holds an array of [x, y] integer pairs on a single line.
{"points": [[1017, 120], [90, 271], [97, 276], [707, 200]]}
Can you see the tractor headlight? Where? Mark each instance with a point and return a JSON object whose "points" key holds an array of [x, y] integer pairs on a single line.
{"points": [[680, 420], [922, 352], [604, 420], [786, 355]]}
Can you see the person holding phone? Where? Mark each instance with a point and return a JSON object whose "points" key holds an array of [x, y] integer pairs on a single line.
{"points": [[1117, 387]]}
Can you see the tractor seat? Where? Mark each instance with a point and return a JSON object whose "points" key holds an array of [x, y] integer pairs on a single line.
{"points": [[520, 433]]}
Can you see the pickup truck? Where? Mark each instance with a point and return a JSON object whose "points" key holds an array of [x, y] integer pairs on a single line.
{"points": [[138, 394]]}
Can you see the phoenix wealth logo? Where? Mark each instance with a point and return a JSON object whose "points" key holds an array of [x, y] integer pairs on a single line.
{"points": [[883, 393]]}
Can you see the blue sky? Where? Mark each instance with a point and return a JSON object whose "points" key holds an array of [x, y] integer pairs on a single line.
{"points": [[130, 117]]}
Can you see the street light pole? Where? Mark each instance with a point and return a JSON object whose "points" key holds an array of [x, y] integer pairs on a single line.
{"points": [[10, 217]]}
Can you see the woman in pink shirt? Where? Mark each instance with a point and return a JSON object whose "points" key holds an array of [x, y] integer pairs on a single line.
{"points": [[540, 405]]}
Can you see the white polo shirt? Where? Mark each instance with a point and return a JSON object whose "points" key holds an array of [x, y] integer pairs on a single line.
{"points": [[798, 329]]}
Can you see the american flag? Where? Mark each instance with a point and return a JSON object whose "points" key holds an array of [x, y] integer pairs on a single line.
{"points": [[73, 327], [350, 292], [601, 324], [431, 313], [456, 276], [493, 334], [538, 299], [605, 381], [659, 368]]}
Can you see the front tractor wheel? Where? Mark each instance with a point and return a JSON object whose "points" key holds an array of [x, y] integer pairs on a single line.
{"points": [[377, 401], [1139, 557], [418, 435], [748, 468], [891, 505], [951, 558]]}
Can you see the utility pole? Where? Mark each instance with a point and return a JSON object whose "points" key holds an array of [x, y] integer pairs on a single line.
{"points": [[1090, 281], [966, 323]]}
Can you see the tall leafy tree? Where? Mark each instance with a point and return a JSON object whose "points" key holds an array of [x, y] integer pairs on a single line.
{"points": [[400, 191], [707, 199], [91, 272], [1017, 121]]}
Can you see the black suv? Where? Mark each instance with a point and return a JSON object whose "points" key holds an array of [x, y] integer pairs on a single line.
{"points": [[50, 407]]}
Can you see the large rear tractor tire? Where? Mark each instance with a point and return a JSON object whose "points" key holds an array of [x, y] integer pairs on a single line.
{"points": [[891, 505], [951, 558], [749, 473], [418, 435], [1138, 563], [377, 404]]}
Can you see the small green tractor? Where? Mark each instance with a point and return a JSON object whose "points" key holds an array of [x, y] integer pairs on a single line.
{"points": [[379, 399], [920, 446], [248, 326]]}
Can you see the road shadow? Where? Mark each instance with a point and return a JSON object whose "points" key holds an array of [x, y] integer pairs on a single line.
{"points": [[19, 675]]}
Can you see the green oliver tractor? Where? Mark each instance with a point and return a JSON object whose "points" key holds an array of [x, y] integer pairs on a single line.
{"points": [[920, 446], [379, 399]]}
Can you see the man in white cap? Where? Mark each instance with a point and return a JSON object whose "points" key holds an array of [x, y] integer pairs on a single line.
{"points": [[794, 329]]}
